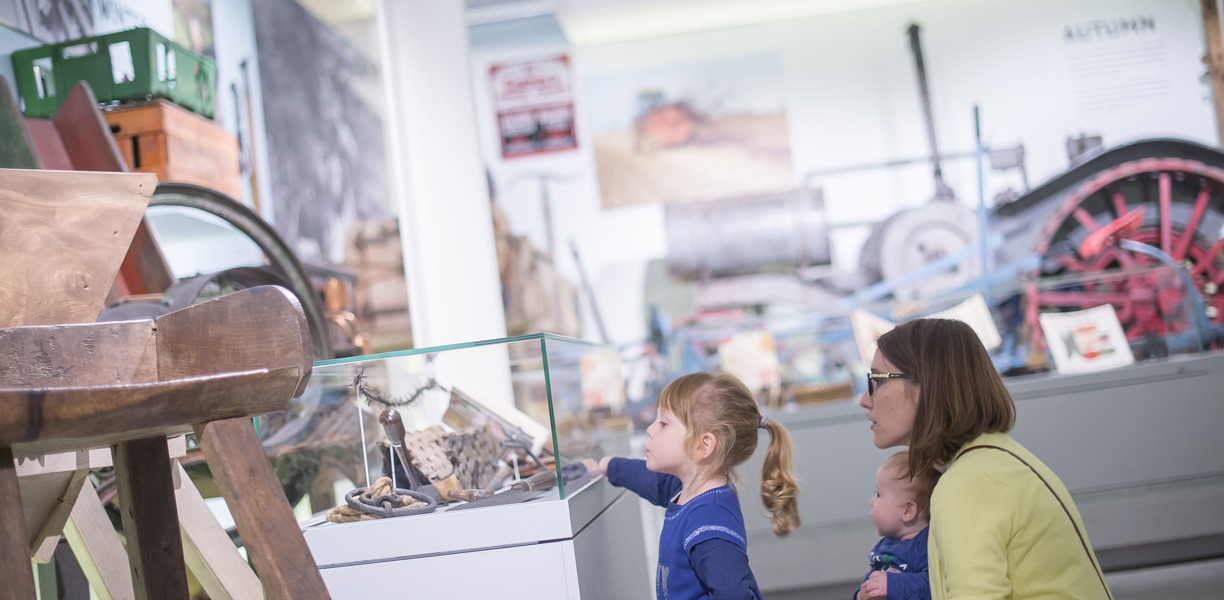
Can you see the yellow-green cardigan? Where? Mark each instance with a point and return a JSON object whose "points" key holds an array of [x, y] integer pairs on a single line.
{"points": [[997, 531]]}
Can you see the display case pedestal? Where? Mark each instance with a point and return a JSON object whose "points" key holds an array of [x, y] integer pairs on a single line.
{"points": [[589, 545]]}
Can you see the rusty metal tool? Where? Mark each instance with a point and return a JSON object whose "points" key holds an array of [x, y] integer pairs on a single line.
{"points": [[393, 426]]}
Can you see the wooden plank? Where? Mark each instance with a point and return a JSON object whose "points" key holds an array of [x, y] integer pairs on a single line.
{"points": [[144, 478], [73, 230], [144, 269], [44, 539], [265, 521], [1215, 60], [16, 149], [84, 354], [47, 420], [211, 556], [48, 145], [260, 327], [85, 134], [15, 569], [97, 547]]}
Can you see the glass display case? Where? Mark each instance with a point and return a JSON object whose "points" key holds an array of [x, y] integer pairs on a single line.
{"points": [[488, 413], [498, 426]]}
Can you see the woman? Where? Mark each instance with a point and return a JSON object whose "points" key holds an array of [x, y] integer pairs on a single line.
{"points": [[1002, 524]]}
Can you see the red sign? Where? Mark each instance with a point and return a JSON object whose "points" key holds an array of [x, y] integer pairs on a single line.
{"points": [[535, 110]]}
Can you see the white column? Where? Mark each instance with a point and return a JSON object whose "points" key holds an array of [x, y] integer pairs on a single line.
{"points": [[446, 222]]}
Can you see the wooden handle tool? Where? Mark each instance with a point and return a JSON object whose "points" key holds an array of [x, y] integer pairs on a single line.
{"points": [[544, 480]]}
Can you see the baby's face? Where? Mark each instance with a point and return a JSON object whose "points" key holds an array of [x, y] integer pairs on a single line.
{"points": [[889, 503]]}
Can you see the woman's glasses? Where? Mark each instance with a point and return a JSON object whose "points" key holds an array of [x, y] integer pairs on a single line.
{"points": [[875, 379]]}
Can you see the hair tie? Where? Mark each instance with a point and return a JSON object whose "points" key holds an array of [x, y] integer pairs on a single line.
{"points": [[764, 420]]}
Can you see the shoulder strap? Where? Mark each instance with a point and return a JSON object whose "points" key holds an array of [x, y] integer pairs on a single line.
{"points": [[1066, 510]]}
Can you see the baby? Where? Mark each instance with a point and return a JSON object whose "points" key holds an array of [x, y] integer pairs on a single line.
{"points": [[901, 510]]}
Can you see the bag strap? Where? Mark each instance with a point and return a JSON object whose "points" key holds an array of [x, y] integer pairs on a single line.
{"points": [[1083, 542]]}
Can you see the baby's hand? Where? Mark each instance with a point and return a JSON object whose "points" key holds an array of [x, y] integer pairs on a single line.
{"points": [[600, 467], [876, 586]]}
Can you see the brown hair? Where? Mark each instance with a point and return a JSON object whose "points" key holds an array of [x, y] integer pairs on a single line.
{"points": [[961, 395], [719, 403], [922, 485]]}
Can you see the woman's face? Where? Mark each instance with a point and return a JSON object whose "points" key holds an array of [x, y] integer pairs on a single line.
{"points": [[892, 408]]}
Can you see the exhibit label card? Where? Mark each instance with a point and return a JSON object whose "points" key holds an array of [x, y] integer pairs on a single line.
{"points": [[1087, 341]]}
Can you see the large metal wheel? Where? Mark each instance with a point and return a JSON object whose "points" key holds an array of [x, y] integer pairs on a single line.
{"points": [[1183, 202], [280, 256]]}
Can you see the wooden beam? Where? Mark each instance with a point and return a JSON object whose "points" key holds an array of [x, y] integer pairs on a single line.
{"points": [[265, 520], [145, 482], [50, 420], [15, 569], [1215, 60], [211, 556], [97, 547], [85, 133]]}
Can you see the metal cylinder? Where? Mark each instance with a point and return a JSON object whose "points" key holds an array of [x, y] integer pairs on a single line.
{"points": [[781, 231]]}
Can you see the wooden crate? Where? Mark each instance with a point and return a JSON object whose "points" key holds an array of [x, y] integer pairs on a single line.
{"points": [[177, 145]]}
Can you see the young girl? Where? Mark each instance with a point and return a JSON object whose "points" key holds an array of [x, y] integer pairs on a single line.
{"points": [[707, 424]]}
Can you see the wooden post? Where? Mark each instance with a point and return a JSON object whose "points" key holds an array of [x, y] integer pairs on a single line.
{"points": [[1215, 60], [265, 520], [150, 520], [15, 571]]}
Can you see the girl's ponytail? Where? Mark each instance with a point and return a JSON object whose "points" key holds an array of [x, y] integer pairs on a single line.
{"points": [[779, 492]]}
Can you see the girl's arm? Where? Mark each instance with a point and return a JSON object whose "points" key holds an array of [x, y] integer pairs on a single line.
{"points": [[722, 567], [632, 474], [970, 526]]}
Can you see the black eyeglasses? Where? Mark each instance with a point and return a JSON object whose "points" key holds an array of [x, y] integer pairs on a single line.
{"points": [[874, 380]]}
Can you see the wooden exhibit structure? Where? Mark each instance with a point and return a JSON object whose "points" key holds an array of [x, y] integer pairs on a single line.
{"points": [[69, 386]]}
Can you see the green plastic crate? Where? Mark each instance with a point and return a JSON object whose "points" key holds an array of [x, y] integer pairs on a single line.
{"points": [[137, 64]]}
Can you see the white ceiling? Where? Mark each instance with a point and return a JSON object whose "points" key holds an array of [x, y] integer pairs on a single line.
{"points": [[589, 22]]}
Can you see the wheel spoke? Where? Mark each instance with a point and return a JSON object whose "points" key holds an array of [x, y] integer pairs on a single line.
{"points": [[1166, 212], [1119, 202], [1200, 204], [1208, 258], [1085, 219]]}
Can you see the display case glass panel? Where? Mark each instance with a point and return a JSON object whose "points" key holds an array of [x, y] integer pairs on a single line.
{"points": [[488, 413]]}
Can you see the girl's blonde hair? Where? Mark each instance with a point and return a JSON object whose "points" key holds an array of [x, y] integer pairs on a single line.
{"points": [[717, 402]]}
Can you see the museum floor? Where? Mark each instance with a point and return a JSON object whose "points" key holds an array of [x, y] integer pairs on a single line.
{"points": [[1200, 580]]}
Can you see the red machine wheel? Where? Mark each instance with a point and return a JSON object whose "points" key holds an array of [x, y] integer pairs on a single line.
{"points": [[1183, 216]]}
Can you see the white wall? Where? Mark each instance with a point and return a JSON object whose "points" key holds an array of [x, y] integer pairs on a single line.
{"points": [[852, 98]]}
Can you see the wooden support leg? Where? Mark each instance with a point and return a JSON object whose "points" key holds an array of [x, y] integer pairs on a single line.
{"points": [[15, 569], [97, 547], [150, 520], [265, 521], [212, 557]]}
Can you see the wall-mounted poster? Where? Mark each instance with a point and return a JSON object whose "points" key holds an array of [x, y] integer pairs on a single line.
{"points": [[692, 132], [1085, 341], [535, 109]]}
